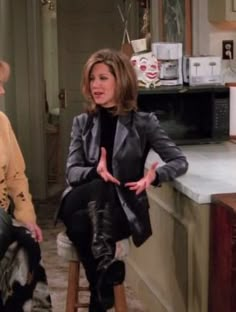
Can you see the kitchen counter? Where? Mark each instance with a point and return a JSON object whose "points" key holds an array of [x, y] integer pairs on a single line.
{"points": [[212, 170], [181, 215]]}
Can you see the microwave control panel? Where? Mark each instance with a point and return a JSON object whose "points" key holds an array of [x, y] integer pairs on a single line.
{"points": [[221, 117]]}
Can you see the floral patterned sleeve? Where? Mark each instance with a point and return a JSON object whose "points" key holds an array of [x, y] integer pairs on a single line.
{"points": [[16, 180]]}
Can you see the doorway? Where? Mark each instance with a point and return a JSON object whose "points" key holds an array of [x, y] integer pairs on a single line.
{"points": [[51, 102]]}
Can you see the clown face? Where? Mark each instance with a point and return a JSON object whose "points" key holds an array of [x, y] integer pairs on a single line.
{"points": [[146, 67]]}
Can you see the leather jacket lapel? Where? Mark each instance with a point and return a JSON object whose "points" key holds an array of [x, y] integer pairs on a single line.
{"points": [[123, 123], [92, 139]]}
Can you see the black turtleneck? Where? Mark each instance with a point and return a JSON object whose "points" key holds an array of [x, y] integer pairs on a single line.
{"points": [[108, 130]]}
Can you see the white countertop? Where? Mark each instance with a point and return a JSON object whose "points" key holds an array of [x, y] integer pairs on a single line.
{"points": [[212, 170]]}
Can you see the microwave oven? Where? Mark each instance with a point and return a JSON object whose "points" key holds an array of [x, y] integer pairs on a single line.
{"points": [[189, 115]]}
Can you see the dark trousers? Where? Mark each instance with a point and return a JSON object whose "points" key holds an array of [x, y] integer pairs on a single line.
{"points": [[23, 236], [36, 273], [75, 217]]}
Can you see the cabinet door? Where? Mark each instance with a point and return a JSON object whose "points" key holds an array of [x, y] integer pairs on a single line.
{"points": [[234, 5], [222, 264], [222, 10], [220, 260]]}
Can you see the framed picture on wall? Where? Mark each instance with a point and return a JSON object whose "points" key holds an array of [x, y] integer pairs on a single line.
{"points": [[175, 23]]}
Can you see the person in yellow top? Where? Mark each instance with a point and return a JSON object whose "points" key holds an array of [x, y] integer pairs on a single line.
{"points": [[20, 226]]}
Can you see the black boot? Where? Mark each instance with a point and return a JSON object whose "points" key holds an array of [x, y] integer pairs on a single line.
{"points": [[95, 305], [110, 270]]}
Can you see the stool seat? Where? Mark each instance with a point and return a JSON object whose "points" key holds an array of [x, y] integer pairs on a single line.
{"points": [[65, 247], [67, 251]]}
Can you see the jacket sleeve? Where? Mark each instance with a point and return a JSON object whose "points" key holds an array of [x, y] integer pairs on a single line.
{"points": [[175, 161], [16, 180], [77, 169]]}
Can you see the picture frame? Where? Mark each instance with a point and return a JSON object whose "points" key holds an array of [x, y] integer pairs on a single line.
{"points": [[175, 23]]}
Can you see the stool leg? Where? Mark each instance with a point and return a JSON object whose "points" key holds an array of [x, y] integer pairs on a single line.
{"points": [[73, 286], [120, 298]]}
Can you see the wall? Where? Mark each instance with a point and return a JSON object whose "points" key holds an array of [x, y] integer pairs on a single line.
{"points": [[207, 37], [217, 35], [7, 103]]}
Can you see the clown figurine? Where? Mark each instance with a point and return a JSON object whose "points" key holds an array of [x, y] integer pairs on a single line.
{"points": [[146, 67]]}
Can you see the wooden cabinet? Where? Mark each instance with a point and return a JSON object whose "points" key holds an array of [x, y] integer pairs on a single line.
{"points": [[222, 10], [222, 270]]}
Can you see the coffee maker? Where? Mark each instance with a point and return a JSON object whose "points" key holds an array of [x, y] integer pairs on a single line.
{"points": [[169, 56]]}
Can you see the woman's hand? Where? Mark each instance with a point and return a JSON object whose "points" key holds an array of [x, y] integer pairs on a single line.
{"points": [[102, 168], [35, 230], [142, 184]]}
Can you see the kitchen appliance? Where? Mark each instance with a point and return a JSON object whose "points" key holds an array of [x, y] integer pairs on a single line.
{"points": [[202, 70], [169, 56], [189, 115]]}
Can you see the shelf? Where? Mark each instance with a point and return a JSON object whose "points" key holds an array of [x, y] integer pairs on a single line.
{"points": [[182, 89]]}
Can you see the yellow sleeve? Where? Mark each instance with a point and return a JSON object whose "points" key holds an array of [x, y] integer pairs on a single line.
{"points": [[16, 180]]}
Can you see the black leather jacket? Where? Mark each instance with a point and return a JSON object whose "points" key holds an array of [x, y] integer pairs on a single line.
{"points": [[136, 134]]}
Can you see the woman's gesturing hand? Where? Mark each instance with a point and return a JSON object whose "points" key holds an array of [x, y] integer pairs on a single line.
{"points": [[102, 168], [142, 184]]}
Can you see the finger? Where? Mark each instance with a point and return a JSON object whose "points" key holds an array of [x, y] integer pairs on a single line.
{"points": [[31, 230], [103, 153], [137, 189], [130, 183], [108, 177], [33, 233], [39, 237], [104, 176], [133, 188], [154, 166], [140, 190], [113, 179]]}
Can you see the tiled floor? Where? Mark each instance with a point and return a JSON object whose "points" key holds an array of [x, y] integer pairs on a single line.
{"points": [[57, 267]]}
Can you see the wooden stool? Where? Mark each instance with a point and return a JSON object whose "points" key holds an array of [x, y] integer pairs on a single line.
{"points": [[66, 250]]}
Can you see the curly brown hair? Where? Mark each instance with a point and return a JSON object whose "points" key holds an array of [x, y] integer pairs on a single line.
{"points": [[126, 81]]}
